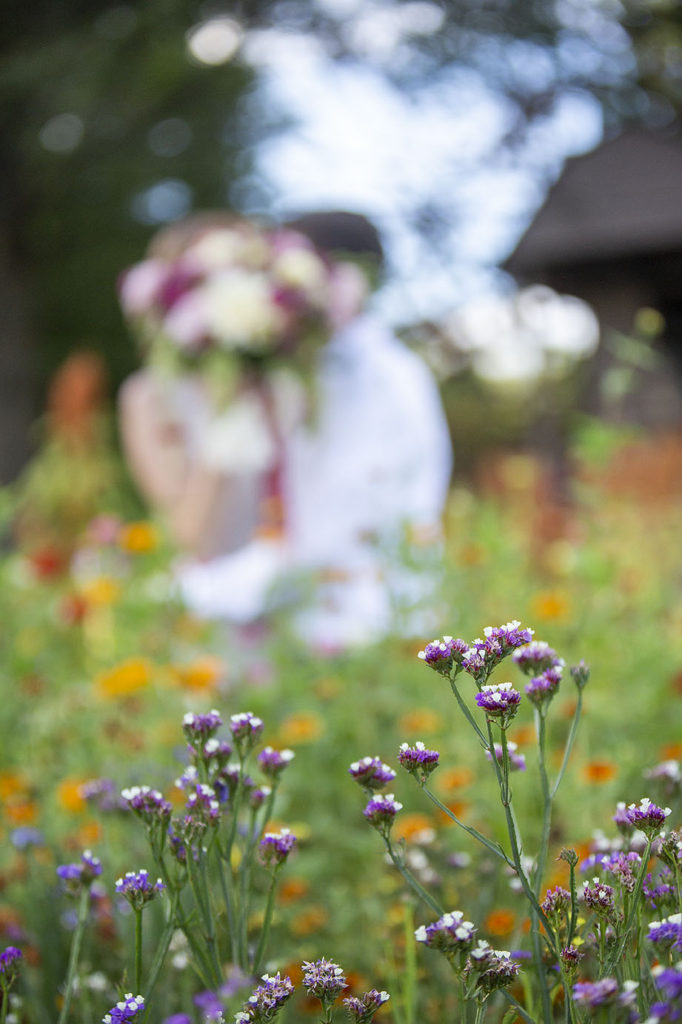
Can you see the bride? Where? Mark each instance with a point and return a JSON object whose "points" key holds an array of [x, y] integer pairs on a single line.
{"points": [[329, 473]]}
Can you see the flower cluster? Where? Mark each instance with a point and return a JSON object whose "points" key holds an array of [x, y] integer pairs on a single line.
{"points": [[517, 762], [543, 687], [556, 902], [323, 979], [267, 999], [361, 1010], [598, 897], [125, 1010], [666, 934], [371, 773], [418, 760], [9, 965], [381, 811], [484, 654], [536, 657], [450, 934], [273, 762], [80, 875], [491, 968], [138, 889], [199, 728], [500, 701], [593, 995], [275, 847], [240, 291], [148, 804], [647, 817], [246, 729], [441, 655]]}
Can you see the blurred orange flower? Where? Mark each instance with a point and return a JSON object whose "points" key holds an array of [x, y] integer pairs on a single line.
{"points": [[101, 590], [419, 720], [523, 734], [89, 834], [455, 778], [500, 922], [597, 772], [310, 920], [204, 673], [124, 679], [138, 538], [671, 751], [24, 812], [293, 889], [551, 606], [303, 727], [458, 807], [69, 795], [12, 784], [407, 826]]}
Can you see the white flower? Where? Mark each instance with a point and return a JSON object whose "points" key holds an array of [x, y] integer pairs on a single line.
{"points": [[239, 310]]}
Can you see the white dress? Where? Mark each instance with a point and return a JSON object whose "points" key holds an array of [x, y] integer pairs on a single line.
{"points": [[376, 459]]}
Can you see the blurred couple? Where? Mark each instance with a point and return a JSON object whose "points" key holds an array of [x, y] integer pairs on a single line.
{"points": [[282, 430]]}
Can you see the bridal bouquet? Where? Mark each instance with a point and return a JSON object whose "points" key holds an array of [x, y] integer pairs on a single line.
{"points": [[237, 302]]}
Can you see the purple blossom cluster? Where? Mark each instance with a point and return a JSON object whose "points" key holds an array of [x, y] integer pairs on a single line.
{"points": [[275, 847], [148, 804], [80, 875], [500, 701], [556, 902], [450, 934], [517, 762], [499, 641], [536, 657], [267, 999], [381, 811], [598, 897], [666, 934], [371, 773], [138, 889], [570, 958], [273, 762], [492, 968], [9, 964], [246, 729], [669, 981], [102, 792], [199, 728], [418, 760], [593, 995], [126, 1010], [647, 817], [215, 753], [361, 1010], [441, 655], [660, 892], [323, 979], [542, 688], [202, 806]]}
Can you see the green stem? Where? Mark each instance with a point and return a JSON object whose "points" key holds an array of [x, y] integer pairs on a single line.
{"points": [[480, 1010], [467, 713], [569, 743], [519, 1009], [260, 951], [411, 880], [161, 952], [74, 954], [620, 946], [138, 950], [5, 1001], [488, 843], [546, 801]]}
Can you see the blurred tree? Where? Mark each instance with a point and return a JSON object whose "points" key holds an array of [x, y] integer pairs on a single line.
{"points": [[109, 128]]}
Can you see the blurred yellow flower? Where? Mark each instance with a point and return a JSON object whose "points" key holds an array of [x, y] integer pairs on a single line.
{"points": [[419, 720], [302, 727], [12, 784], [551, 606], [138, 538], [124, 679], [101, 590], [204, 673], [69, 796]]}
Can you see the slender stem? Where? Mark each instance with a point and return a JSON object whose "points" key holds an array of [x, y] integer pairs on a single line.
{"points": [[161, 951], [546, 800], [574, 905], [488, 843], [224, 868], [480, 1010], [76, 942], [412, 881], [5, 1001], [138, 950], [569, 743], [620, 946], [260, 951], [519, 1009]]}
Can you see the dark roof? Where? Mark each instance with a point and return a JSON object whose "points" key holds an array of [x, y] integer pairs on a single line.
{"points": [[623, 199]]}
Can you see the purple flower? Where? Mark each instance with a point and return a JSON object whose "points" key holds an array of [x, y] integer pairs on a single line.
{"points": [[148, 804], [178, 1018], [371, 773], [593, 995], [517, 762], [214, 752], [556, 902], [25, 836], [570, 959], [102, 792], [381, 811], [441, 655], [450, 934], [362, 1010], [323, 979], [647, 817], [273, 762], [667, 933], [541, 689], [660, 894], [499, 701], [9, 965], [484, 654], [598, 897], [418, 760], [137, 888], [199, 728], [621, 819], [126, 1010], [258, 796], [202, 806], [77, 876], [275, 847], [495, 969], [581, 674], [535, 657], [670, 981], [245, 728], [266, 1000]]}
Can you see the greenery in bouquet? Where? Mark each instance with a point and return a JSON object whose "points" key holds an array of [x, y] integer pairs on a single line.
{"points": [[237, 301]]}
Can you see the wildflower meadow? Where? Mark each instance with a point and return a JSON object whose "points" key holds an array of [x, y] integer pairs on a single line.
{"points": [[476, 823]]}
